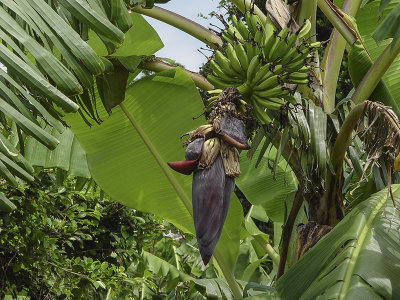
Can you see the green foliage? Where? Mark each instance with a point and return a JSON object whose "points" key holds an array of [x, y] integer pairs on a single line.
{"points": [[73, 244], [62, 243], [141, 138], [358, 258]]}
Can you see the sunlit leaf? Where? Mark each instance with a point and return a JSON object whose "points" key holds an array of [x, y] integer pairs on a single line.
{"points": [[360, 257]]}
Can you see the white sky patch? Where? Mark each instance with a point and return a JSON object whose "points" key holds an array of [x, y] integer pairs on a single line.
{"points": [[178, 45]]}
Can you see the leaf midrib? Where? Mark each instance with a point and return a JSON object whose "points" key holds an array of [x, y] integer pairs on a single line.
{"points": [[175, 184], [359, 246]]}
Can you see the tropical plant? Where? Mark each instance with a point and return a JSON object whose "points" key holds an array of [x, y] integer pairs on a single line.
{"points": [[333, 153], [67, 243]]}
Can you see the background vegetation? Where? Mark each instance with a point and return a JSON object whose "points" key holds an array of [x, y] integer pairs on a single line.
{"points": [[93, 211]]}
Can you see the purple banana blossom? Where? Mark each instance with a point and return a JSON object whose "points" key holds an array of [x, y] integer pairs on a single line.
{"points": [[213, 184], [211, 196], [232, 131], [192, 155]]}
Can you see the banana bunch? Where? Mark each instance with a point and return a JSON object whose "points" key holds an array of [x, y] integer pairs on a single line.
{"points": [[259, 62]]}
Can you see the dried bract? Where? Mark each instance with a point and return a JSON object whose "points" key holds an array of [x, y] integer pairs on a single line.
{"points": [[204, 130], [230, 159], [383, 133], [210, 151]]}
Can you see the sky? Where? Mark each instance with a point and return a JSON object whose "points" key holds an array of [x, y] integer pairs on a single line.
{"points": [[178, 45]]}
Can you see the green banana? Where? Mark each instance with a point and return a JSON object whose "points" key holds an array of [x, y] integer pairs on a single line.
{"points": [[242, 56], [253, 68], [235, 20], [234, 60], [235, 33], [314, 45], [251, 49], [270, 103], [226, 37], [268, 55], [307, 48], [211, 101], [301, 55], [304, 69], [244, 90], [289, 55], [247, 17], [298, 75], [258, 37], [263, 72], [295, 65], [304, 30], [277, 69], [277, 91], [291, 40], [271, 82], [256, 22], [267, 75], [268, 44], [224, 62], [300, 81], [279, 46], [213, 92], [219, 83], [244, 31], [260, 113], [220, 73]]}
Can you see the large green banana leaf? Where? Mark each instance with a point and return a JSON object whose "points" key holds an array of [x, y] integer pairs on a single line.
{"points": [[367, 21], [128, 153], [358, 259]]}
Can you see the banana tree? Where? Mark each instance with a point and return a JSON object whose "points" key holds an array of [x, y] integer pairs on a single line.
{"points": [[270, 81]]}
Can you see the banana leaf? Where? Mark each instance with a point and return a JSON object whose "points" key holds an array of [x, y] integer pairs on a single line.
{"points": [[68, 156], [388, 90], [128, 153], [359, 258]]}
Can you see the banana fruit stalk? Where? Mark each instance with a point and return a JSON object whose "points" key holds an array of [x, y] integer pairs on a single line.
{"points": [[260, 64], [212, 156]]}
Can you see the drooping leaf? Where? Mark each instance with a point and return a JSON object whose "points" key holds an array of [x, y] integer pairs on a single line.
{"points": [[261, 189], [360, 257], [61, 76], [28, 126], [71, 38], [68, 156], [34, 79], [43, 30], [5, 204], [101, 25], [15, 169], [12, 153], [111, 87]]}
